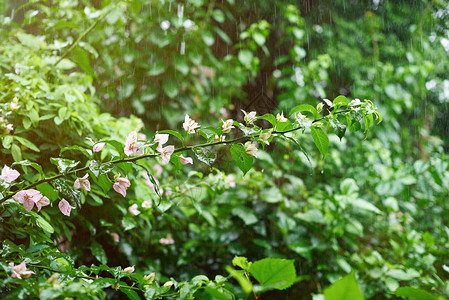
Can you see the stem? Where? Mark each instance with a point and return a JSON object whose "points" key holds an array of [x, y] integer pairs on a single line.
{"points": [[133, 159], [82, 35], [82, 276]]}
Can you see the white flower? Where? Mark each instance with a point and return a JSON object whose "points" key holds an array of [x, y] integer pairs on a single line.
{"points": [[161, 138], [263, 137], [250, 148], [133, 209], [249, 117], [190, 125], [166, 153], [355, 102], [227, 125], [328, 102], [280, 118]]}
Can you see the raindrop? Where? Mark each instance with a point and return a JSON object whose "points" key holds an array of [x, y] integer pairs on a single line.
{"points": [[180, 12], [165, 25], [183, 47]]}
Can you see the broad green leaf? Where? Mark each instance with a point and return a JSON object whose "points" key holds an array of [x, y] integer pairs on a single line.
{"points": [[27, 143], [98, 251], [157, 67], [245, 57], [86, 152], [244, 213], [47, 190], [100, 168], [312, 216], [412, 293], [320, 138], [274, 272], [174, 133], [68, 192], [42, 223], [131, 294], [344, 289], [63, 164], [340, 101], [241, 262], [16, 152], [365, 205], [205, 155], [243, 160], [403, 275], [218, 293], [30, 164], [170, 88], [6, 141], [103, 282], [269, 117], [304, 107]]}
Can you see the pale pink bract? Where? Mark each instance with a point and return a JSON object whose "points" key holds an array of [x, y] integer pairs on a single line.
{"points": [[65, 207], [166, 153], [185, 160], [98, 147], [131, 145], [82, 183], [8, 174], [121, 185], [20, 270], [28, 198]]}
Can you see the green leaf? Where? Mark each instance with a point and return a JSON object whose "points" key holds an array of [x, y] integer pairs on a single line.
{"points": [[343, 289], [16, 152], [68, 192], [274, 272], [42, 223], [47, 190], [241, 262], [30, 164], [413, 293], [305, 107], [243, 160], [6, 141], [245, 57], [170, 88], [244, 213], [63, 164], [205, 155], [131, 294], [174, 133], [27, 143], [269, 117], [340, 101], [86, 152], [98, 251], [321, 140], [218, 15]]}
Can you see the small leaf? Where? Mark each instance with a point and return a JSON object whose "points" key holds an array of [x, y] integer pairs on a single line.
{"points": [[245, 57], [170, 88], [343, 289], [47, 190], [321, 140], [205, 155], [174, 133], [241, 262], [269, 117], [305, 107], [86, 152], [42, 223], [243, 160], [27, 143], [98, 252], [413, 293], [274, 272], [6, 141], [63, 164], [30, 164], [340, 101]]}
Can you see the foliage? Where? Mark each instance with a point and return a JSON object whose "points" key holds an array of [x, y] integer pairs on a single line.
{"points": [[315, 214]]}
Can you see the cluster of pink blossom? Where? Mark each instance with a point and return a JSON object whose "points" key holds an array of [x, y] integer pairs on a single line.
{"points": [[20, 271]]}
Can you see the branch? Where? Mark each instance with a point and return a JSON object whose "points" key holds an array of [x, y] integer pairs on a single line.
{"points": [[133, 159]]}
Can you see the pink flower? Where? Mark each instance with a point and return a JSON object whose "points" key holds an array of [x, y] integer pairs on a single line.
{"points": [[82, 183], [131, 145], [65, 207], [116, 237], [167, 241], [28, 198], [190, 125], [148, 181], [161, 138], [97, 147], [133, 210], [43, 201], [147, 204], [121, 185], [9, 174], [20, 270], [166, 153], [185, 160]]}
